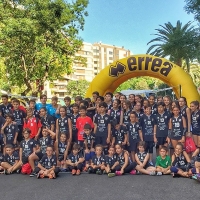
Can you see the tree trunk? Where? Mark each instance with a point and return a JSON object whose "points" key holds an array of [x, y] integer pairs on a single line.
{"points": [[179, 62]]}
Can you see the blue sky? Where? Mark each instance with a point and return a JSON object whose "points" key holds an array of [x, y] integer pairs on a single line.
{"points": [[130, 23]]}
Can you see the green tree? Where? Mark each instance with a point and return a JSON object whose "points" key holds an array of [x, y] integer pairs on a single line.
{"points": [[39, 39], [76, 88], [193, 6], [180, 42]]}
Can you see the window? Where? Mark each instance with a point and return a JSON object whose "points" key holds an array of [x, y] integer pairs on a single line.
{"points": [[95, 62], [96, 50], [110, 58], [110, 53]]}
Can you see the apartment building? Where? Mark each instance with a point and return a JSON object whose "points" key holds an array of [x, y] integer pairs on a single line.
{"points": [[97, 56]]}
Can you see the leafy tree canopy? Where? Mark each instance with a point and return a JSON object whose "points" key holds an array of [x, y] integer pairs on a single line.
{"points": [[77, 88], [39, 39]]}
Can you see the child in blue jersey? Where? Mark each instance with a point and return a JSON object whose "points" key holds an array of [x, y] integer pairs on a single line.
{"points": [[194, 106], [74, 116], [10, 131], [147, 123], [196, 169], [123, 163], [88, 147], [47, 139], [102, 127], [64, 125], [142, 159], [11, 162], [75, 160], [181, 165], [153, 104], [161, 125], [177, 127], [119, 134], [47, 165], [62, 150], [111, 161], [98, 161], [134, 134], [115, 112], [126, 109]]}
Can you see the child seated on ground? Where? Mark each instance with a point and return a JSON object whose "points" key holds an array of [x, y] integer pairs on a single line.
{"points": [[11, 162], [44, 141], [98, 161], [123, 162], [111, 161], [196, 169], [181, 165], [61, 149], [75, 160], [88, 137], [163, 162], [1, 160], [47, 165], [142, 159]]}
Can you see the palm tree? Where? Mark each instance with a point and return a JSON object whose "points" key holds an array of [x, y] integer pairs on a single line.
{"points": [[179, 43]]}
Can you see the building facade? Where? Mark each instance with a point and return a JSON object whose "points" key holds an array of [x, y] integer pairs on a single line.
{"points": [[97, 57]]}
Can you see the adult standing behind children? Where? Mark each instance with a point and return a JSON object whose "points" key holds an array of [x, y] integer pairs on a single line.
{"points": [[43, 103]]}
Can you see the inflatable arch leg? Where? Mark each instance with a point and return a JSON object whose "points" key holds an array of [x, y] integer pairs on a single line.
{"points": [[144, 65]]}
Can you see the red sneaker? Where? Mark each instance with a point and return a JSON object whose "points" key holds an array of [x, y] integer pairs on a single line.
{"points": [[73, 171], [133, 172], [118, 173]]}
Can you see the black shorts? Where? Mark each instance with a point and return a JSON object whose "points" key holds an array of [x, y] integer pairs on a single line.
{"points": [[74, 136], [39, 155], [149, 146], [133, 146], [198, 134], [61, 158], [24, 159], [101, 140], [161, 140]]}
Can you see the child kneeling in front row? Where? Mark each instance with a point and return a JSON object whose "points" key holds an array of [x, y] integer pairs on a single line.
{"points": [[163, 162], [47, 165], [11, 160], [75, 160]]}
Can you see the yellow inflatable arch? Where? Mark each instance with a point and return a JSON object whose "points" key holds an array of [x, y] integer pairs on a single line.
{"points": [[144, 65]]}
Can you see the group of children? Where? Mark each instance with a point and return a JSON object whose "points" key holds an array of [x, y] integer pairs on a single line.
{"points": [[103, 135]]}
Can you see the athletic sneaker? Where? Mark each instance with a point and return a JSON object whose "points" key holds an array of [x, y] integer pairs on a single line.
{"points": [[33, 174], [175, 175], [133, 172], [118, 173], [151, 163], [73, 171], [194, 177], [159, 173], [78, 172], [99, 172], [89, 170], [38, 176], [104, 172], [152, 173], [110, 175], [63, 170]]}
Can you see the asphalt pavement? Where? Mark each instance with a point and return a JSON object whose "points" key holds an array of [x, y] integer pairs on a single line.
{"points": [[97, 187]]}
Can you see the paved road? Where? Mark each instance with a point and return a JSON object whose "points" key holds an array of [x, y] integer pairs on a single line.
{"points": [[97, 187]]}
